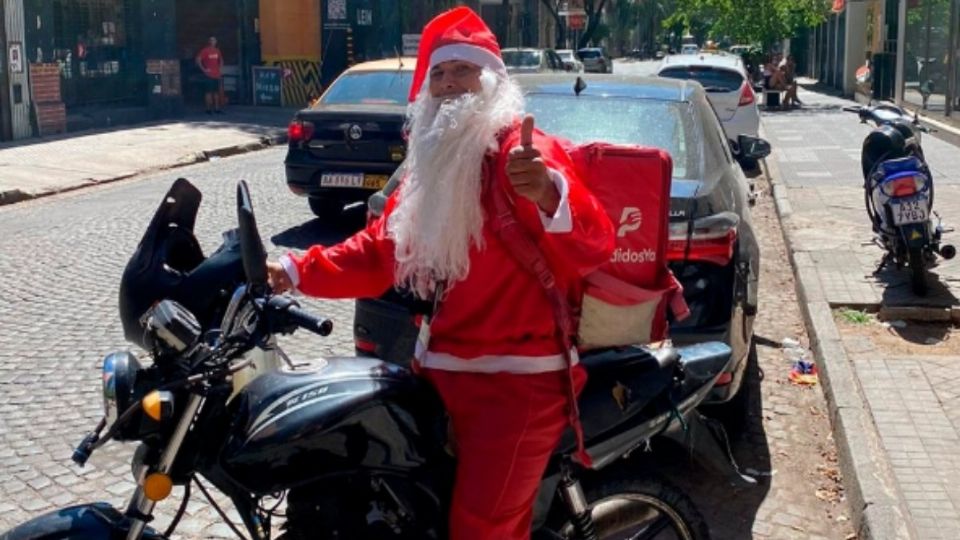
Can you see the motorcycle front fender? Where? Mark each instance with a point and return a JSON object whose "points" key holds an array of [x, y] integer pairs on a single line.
{"points": [[97, 521]]}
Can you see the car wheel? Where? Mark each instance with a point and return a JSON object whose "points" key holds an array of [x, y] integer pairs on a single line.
{"points": [[327, 211]]}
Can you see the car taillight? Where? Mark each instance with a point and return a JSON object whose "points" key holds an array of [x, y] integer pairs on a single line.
{"points": [[746, 94], [903, 186], [711, 240], [299, 131]]}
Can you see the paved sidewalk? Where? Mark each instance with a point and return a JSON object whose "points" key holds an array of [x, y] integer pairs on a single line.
{"points": [[896, 419], [37, 167]]}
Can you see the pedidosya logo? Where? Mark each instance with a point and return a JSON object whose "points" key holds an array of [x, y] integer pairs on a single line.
{"points": [[630, 220]]}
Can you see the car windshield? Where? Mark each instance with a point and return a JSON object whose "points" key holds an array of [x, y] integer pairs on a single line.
{"points": [[664, 124], [589, 53], [370, 87], [521, 58], [713, 79]]}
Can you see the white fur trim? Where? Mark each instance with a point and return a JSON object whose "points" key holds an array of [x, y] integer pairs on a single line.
{"points": [[468, 53], [498, 363], [561, 221]]}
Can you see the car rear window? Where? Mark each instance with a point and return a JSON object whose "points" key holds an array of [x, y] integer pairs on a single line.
{"points": [[521, 58], [713, 79], [370, 87], [589, 53], [662, 124]]}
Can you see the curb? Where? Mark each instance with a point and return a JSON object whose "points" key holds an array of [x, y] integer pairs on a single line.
{"points": [[878, 507], [13, 196]]}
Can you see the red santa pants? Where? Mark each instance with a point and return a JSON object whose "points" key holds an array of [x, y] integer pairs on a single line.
{"points": [[505, 427]]}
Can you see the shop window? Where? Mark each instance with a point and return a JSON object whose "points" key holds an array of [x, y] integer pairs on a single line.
{"points": [[926, 60]]}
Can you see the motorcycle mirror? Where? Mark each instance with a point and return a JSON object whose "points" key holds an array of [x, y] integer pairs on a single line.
{"points": [[753, 147], [251, 247]]}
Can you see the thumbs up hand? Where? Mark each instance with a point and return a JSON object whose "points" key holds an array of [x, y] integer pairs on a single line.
{"points": [[528, 173]]}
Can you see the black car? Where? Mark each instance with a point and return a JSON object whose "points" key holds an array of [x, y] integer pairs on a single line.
{"points": [[712, 248], [347, 145]]}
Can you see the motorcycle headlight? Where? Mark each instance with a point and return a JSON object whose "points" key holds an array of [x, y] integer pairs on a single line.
{"points": [[119, 375]]}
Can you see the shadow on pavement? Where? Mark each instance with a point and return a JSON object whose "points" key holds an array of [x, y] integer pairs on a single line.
{"points": [[316, 231], [897, 290], [923, 334], [730, 512]]}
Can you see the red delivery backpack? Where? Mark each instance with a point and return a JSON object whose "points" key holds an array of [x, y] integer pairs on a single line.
{"points": [[625, 301]]}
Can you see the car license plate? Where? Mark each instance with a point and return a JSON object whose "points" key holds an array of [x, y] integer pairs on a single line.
{"points": [[348, 180], [353, 180], [909, 210], [375, 181]]}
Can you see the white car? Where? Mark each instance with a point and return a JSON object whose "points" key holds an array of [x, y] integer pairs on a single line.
{"points": [[728, 87], [570, 60], [689, 48]]}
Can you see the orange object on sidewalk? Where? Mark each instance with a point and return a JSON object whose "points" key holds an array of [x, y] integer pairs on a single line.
{"points": [[804, 372]]}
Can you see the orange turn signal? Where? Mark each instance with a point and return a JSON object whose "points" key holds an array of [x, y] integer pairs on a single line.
{"points": [[151, 405], [157, 405], [157, 486]]}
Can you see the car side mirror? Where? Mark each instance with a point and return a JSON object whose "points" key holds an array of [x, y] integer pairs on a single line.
{"points": [[753, 147]]}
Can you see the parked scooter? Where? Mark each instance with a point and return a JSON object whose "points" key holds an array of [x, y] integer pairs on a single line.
{"points": [[898, 192], [358, 446]]}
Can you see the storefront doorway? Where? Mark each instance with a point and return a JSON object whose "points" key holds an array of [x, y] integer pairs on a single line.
{"points": [[232, 23]]}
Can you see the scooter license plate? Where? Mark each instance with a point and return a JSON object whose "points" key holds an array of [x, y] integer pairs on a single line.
{"points": [[909, 210]]}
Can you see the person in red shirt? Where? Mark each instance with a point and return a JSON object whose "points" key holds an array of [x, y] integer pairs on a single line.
{"points": [[493, 352], [210, 61]]}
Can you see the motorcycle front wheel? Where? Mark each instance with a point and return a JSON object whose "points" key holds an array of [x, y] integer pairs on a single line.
{"points": [[918, 274], [641, 509]]}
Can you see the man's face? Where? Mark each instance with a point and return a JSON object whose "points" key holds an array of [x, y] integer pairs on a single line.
{"points": [[453, 78], [212, 41]]}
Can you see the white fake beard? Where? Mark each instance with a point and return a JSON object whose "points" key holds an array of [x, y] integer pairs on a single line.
{"points": [[439, 215]]}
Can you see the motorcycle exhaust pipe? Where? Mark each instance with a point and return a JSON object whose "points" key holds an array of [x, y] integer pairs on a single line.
{"points": [[947, 251]]}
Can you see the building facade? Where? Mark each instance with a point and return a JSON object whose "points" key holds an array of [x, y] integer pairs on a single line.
{"points": [[902, 50]]}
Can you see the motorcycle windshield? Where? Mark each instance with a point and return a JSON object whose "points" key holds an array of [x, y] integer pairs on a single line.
{"points": [[178, 210], [162, 265]]}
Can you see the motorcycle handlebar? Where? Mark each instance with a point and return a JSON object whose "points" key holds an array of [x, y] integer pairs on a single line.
{"points": [[284, 312], [309, 321]]}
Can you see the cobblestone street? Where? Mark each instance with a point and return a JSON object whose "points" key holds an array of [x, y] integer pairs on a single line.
{"points": [[62, 261]]}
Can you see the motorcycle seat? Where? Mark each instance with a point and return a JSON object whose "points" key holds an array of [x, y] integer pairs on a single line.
{"points": [[620, 383]]}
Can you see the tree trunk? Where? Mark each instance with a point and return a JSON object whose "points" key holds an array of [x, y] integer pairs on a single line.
{"points": [[561, 34], [594, 22]]}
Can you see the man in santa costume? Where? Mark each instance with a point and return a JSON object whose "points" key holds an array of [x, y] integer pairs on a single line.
{"points": [[493, 355]]}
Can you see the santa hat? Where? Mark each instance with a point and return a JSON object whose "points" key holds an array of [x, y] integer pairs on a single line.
{"points": [[457, 34]]}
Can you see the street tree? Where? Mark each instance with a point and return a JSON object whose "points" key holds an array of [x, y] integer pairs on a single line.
{"points": [[747, 21]]}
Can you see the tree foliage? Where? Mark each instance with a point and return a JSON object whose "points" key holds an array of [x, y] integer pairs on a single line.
{"points": [[747, 21]]}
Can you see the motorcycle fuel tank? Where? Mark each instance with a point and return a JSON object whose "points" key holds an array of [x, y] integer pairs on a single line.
{"points": [[292, 427]]}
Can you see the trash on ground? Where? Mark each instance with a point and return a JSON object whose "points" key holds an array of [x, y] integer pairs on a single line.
{"points": [[789, 343], [804, 372]]}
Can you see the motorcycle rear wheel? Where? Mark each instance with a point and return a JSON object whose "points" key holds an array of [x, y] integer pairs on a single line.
{"points": [[918, 274], [643, 509]]}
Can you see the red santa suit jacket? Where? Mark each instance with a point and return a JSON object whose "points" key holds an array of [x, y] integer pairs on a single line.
{"points": [[498, 318]]}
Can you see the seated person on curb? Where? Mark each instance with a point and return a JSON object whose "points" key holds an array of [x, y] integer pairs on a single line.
{"points": [[493, 353]]}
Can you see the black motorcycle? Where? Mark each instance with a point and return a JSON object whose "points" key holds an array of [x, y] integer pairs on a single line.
{"points": [[357, 446], [898, 192]]}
